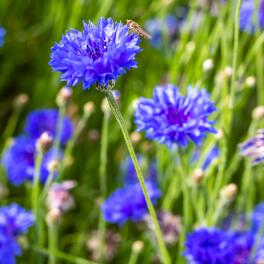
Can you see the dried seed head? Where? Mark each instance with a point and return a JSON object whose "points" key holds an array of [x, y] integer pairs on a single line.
{"points": [[89, 108], [44, 143], [20, 101], [208, 65], [229, 192], [64, 96], [138, 246], [258, 113], [251, 81]]}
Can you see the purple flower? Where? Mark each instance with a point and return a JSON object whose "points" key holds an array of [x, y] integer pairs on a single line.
{"points": [[212, 245], [19, 161], [128, 203], [2, 36], [250, 17], [254, 148], [171, 118], [45, 120], [257, 218], [14, 221], [96, 55]]}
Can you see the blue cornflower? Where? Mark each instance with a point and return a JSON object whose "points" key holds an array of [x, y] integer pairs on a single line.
{"points": [[128, 203], [19, 161], [129, 172], [254, 148], [45, 120], [212, 245], [2, 36], [171, 118], [14, 221], [96, 55], [250, 17]]}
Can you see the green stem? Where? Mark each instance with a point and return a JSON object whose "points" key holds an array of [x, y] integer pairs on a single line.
{"points": [[235, 55], [61, 255], [70, 145], [59, 128], [119, 118], [53, 240], [47, 185], [102, 174], [35, 195], [133, 257]]}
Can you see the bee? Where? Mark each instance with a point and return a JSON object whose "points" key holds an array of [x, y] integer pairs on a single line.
{"points": [[135, 27]]}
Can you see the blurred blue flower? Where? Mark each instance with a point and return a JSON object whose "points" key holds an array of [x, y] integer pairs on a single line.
{"points": [[97, 55], [254, 148], [257, 218], [128, 203], [158, 28], [212, 245], [250, 17], [2, 36], [14, 221], [45, 120], [19, 161], [129, 172], [171, 118]]}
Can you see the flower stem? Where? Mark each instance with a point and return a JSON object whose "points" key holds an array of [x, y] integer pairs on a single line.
{"points": [[52, 228], [235, 55], [35, 195], [102, 174], [59, 129], [70, 145], [119, 118]]}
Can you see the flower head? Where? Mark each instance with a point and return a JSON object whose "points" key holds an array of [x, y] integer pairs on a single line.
{"points": [[2, 36], [171, 118], [96, 55], [128, 203], [254, 148], [14, 221], [211, 245], [250, 17], [45, 120], [19, 161]]}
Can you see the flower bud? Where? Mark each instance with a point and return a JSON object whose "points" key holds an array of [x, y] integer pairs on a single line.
{"points": [[228, 71], [64, 96], [105, 107], [229, 192], [137, 246], [53, 216], [20, 101], [220, 134], [135, 137], [89, 108], [208, 65], [198, 175], [44, 143], [53, 166], [251, 81], [258, 113]]}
